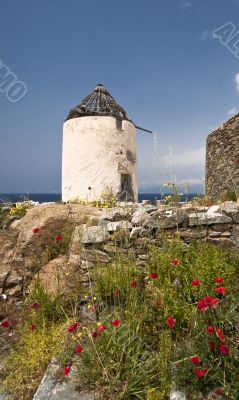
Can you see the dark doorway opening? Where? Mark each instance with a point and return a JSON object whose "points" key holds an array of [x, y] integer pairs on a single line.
{"points": [[126, 190]]}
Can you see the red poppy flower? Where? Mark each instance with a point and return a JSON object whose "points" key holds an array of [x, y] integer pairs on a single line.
{"points": [[116, 323], [171, 322], [101, 328], [59, 238], [117, 293], [175, 262], [195, 360], [133, 283], [207, 303], [154, 275], [220, 335], [35, 306], [210, 330], [196, 282], [33, 327], [5, 324], [220, 290], [36, 230], [218, 392], [78, 349], [224, 350], [73, 327], [200, 372], [218, 280], [95, 334], [211, 346], [66, 371]]}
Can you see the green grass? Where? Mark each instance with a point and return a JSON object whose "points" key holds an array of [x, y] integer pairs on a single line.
{"points": [[140, 358]]}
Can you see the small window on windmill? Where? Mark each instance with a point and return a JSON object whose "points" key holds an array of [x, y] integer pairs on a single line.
{"points": [[119, 124]]}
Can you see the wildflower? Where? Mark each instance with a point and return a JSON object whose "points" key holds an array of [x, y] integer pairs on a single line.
{"points": [[133, 283], [73, 327], [94, 298], [211, 346], [117, 293], [154, 275], [224, 350], [196, 282], [66, 371], [221, 290], [175, 262], [210, 330], [78, 349], [195, 360], [200, 372], [33, 327], [5, 324], [220, 335], [207, 303], [218, 280], [171, 322], [101, 328], [35, 306], [116, 323], [218, 392], [36, 230], [59, 238], [94, 335], [4, 296]]}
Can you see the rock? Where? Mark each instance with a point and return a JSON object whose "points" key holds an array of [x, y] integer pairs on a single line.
{"points": [[95, 255], [221, 227], [232, 209], [16, 224], [194, 233], [223, 243], [208, 218], [139, 216], [177, 395], [53, 276], [116, 226], [115, 214], [213, 209], [215, 234], [135, 232], [94, 234], [149, 208], [167, 219], [50, 389], [235, 235]]}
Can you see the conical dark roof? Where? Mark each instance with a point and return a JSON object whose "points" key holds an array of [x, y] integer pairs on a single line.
{"points": [[99, 102]]}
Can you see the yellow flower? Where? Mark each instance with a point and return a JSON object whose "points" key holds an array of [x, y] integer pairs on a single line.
{"points": [[94, 298]]}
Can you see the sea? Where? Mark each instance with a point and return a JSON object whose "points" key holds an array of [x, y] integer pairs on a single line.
{"points": [[55, 197]]}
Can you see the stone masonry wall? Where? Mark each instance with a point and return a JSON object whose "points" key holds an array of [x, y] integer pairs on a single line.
{"points": [[97, 235], [222, 159]]}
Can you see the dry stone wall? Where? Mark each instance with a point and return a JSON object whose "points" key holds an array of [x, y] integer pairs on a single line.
{"points": [[97, 236], [222, 159]]}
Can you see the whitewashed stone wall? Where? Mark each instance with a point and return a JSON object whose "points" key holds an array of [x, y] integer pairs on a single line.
{"points": [[95, 155]]}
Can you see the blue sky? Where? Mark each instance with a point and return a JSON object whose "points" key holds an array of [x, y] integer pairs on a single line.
{"points": [[158, 58]]}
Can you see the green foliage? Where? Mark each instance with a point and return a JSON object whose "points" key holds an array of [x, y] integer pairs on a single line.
{"points": [[42, 332], [20, 210], [230, 196], [136, 360]]}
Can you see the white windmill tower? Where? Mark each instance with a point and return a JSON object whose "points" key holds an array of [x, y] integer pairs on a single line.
{"points": [[99, 150]]}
